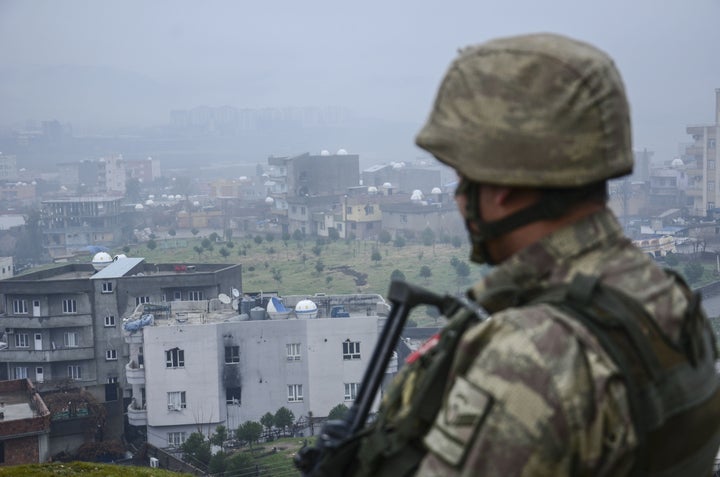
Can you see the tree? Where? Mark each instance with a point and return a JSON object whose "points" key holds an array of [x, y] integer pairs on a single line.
{"points": [[297, 235], [428, 236], [196, 449], [319, 266], [219, 436], [693, 271], [269, 236], [384, 237], [172, 232], [218, 463], [333, 234], [276, 274], [206, 243], [126, 249], [224, 252], [284, 418], [463, 270], [198, 250], [397, 275], [152, 244], [425, 272], [454, 261], [258, 239], [249, 431], [268, 420], [317, 250], [399, 242], [376, 256], [671, 259], [240, 465], [194, 231], [338, 412], [214, 237]]}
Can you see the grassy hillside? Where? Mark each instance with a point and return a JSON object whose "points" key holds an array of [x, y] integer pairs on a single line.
{"points": [[346, 267], [84, 469]]}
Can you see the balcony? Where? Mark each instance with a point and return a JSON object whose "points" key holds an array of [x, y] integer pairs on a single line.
{"points": [[134, 375], [137, 417], [37, 322], [47, 356], [133, 338]]}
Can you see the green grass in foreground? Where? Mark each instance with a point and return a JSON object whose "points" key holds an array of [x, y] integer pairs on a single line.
{"points": [[85, 469]]}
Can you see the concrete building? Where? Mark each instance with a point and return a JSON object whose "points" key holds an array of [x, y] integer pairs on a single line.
{"points": [[24, 424], [103, 176], [6, 268], [71, 224], [201, 370], [413, 217], [146, 170], [8, 167], [702, 157], [64, 323], [403, 177]]}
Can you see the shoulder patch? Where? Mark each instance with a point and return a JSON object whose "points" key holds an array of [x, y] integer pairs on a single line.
{"points": [[458, 421]]}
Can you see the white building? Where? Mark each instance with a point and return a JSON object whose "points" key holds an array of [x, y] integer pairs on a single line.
{"points": [[201, 371]]}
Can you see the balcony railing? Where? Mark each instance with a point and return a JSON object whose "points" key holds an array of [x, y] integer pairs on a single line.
{"points": [[134, 375], [136, 417], [47, 355], [55, 321]]}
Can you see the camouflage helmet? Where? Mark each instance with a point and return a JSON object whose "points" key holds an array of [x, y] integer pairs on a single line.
{"points": [[537, 110]]}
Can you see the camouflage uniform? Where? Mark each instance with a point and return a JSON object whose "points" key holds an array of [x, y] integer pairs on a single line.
{"points": [[533, 393]]}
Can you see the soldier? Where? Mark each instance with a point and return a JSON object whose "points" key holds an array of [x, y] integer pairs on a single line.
{"points": [[594, 360]]}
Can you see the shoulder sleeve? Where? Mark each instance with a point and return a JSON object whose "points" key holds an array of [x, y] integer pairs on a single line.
{"points": [[526, 404]]}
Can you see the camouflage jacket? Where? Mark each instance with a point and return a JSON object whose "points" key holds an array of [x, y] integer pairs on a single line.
{"points": [[531, 391]]}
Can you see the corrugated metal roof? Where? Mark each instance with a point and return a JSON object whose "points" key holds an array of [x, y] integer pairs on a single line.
{"points": [[118, 268]]}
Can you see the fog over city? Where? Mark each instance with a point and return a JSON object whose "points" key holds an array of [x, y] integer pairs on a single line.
{"points": [[117, 67]]}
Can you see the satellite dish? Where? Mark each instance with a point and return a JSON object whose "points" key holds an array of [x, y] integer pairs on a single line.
{"points": [[235, 292], [224, 299], [235, 303]]}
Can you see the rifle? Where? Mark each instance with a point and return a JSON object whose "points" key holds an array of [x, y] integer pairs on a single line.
{"points": [[336, 433]]}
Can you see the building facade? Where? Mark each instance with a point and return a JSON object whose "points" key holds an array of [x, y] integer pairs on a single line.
{"points": [[64, 324], [24, 424], [701, 157], [203, 371]]}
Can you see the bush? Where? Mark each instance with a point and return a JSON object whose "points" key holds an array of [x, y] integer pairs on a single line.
{"points": [[693, 271], [671, 259], [384, 237]]}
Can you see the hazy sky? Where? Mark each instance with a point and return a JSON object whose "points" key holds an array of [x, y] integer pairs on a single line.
{"points": [[381, 59]]}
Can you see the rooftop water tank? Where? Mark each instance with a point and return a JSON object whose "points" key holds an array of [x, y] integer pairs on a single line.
{"points": [[306, 309]]}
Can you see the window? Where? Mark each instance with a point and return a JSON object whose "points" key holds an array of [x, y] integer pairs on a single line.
{"points": [[295, 393], [195, 295], [20, 372], [348, 210], [339, 227], [351, 391], [302, 210], [403, 219], [20, 307], [351, 349], [175, 358], [711, 164], [110, 320], [70, 338], [293, 351], [176, 439], [74, 372], [711, 185], [111, 355], [112, 380], [177, 295], [176, 400], [107, 287], [232, 354], [21, 340], [141, 299], [233, 396], [369, 209], [69, 305]]}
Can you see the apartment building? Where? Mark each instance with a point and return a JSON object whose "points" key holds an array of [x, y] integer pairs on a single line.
{"points": [[64, 324], [203, 370], [702, 157]]}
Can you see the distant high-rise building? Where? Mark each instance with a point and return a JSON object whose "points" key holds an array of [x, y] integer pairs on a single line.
{"points": [[8, 167], [701, 158]]}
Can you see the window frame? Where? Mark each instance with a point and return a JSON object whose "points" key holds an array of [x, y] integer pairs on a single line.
{"points": [[107, 287], [176, 439], [20, 306], [293, 351], [195, 295], [76, 339], [295, 393], [351, 350], [110, 321], [19, 338], [351, 391], [233, 355], [20, 372], [176, 404], [69, 306], [111, 355], [174, 358], [74, 372]]}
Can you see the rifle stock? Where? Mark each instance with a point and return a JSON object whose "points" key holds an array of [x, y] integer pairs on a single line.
{"points": [[403, 298]]}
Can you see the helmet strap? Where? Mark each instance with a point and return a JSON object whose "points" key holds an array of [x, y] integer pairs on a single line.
{"points": [[548, 206]]}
